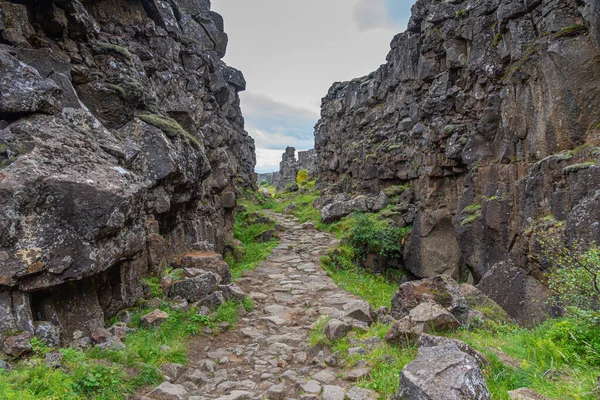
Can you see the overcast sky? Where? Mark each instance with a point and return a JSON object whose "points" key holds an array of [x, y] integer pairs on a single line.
{"points": [[292, 51]]}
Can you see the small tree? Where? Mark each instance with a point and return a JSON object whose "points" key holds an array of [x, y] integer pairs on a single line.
{"points": [[574, 277], [302, 177]]}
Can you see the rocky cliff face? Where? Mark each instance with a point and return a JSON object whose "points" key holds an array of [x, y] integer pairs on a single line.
{"points": [[307, 160], [288, 169], [490, 111], [122, 144]]}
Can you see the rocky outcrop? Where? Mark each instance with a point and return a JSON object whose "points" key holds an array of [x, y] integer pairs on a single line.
{"points": [[307, 160], [489, 112], [288, 169], [269, 177], [121, 145]]}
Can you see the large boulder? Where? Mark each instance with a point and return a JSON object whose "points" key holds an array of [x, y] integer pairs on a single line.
{"points": [[431, 317], [521, 295], [426, 340], [432, 248], [443, 372], [336, 329], [334, 211], [441, 289], [207, 261], [194, 289], [24, 91]]}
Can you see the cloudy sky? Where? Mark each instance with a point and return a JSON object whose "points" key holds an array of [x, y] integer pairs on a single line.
{"points": [[292, 51]]}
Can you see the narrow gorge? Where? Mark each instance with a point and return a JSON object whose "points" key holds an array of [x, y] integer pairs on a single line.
{"points": [[440, 242]]}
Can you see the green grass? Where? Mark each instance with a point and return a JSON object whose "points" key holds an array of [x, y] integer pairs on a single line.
{"points": [[245, 231], [304, 202], [375, 289], [111, 374], [551, 358]]}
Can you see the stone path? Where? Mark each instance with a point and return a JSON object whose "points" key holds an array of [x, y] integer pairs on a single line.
{"points": [[268, 354]]}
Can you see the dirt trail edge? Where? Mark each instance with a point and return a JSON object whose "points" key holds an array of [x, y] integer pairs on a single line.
{"points": [[268, 354]]}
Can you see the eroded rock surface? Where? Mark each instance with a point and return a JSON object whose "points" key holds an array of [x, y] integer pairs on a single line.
{"points": [[488, 111], [121, 145]]}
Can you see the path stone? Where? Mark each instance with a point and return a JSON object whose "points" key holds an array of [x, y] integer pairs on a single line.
{"points": [[357, 393], [268, 354], [333, 393]]}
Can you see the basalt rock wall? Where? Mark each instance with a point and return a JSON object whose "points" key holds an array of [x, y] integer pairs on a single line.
{"points": [[122, 145], [490, 111]]}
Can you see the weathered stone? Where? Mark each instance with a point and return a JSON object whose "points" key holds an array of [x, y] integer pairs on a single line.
{"points": [[336, 329], [357, 374], [276, 392], [358, 393], [443, 372], [5, 366], [441, 289], [54, 360], [521, 295], [325, 376], [194, 289], [195, 376], [232, 292], [361, 311], [173, 371], [16, 345], [154, 318], [48, 333], [333, 393], [167, 391], [401, 333], [426, 340], [288, 170], [431, 317], [24, 90], [212, 262], [212, 301]]}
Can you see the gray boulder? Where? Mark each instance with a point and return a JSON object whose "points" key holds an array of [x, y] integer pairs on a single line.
{"points": [[431, 317], [336, 329], [167, 391], [334, 211], [194, 289], [443, 372], [441, 289], [48, 333], [361, 311], [24, 91], [16, 345], [232, 292], [521, 295], [426, 340], [401, 334]]}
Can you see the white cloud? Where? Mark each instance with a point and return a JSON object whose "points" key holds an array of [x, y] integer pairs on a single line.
{"points": [[267, 160], [370, 14]]}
